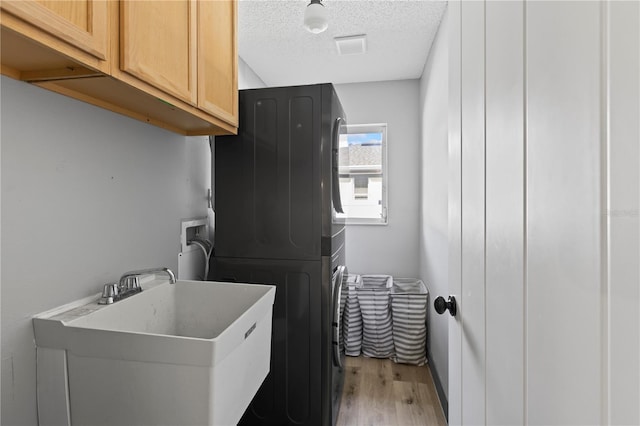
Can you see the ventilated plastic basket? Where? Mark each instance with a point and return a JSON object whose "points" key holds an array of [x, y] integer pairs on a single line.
{"points": [[352, 317], [409, 309], [374, 300]]}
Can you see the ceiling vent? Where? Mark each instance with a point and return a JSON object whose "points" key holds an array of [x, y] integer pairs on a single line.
{"points": [[351, 45]]}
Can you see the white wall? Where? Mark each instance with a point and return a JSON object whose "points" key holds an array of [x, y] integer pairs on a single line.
{"points": [[434, 156], [86, 195], [247, 78], [390, 249]]}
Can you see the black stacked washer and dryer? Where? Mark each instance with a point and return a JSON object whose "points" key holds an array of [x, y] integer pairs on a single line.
{"points": [[276, 194]]}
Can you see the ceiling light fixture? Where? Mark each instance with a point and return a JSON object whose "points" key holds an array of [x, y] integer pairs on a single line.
{"points": [[315, 17]]}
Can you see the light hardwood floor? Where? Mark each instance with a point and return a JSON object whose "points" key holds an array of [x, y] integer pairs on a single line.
{"points": [[379, 392]]}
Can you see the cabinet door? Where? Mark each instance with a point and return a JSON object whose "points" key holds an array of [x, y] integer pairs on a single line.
{"points": [[218, 59], [80, 23], [159, 44]]}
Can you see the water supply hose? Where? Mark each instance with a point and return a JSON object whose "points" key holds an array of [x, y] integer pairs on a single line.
{"points": [[207, 248]]}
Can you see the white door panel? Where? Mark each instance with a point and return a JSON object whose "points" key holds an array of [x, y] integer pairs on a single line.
{"points": [[563, 213], [624, 212], [504, 212], [454, 214], [473, 199], [544, 212]]}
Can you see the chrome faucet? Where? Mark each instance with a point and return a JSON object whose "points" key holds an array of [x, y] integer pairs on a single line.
{"points": [[127, 275], [129, 285]]}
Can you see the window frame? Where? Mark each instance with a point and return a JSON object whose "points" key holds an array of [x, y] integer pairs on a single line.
{"points": [[384, 219]]}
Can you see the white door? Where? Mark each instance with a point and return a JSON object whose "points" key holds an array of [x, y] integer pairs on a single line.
{"points": [[544, 212]]}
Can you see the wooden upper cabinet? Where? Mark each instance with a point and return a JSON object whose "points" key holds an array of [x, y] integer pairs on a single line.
{"points": [[218, 59], [83, 24], [158, 45], [171, 63]]}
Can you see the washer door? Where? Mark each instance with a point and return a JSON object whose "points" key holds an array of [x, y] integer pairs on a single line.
{"points": [[336, 308]]}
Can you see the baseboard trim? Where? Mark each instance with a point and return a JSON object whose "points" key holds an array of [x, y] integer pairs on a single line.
{"points": [[439, 390]]}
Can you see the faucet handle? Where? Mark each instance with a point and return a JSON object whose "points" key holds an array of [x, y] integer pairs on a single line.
{"points": [[109, 293], [132, 283]]}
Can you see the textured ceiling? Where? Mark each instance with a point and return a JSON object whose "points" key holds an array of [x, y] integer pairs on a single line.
{"points": [[274, 43]]}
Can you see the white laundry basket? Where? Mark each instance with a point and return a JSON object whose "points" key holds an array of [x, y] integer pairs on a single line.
{"points": [[409, 309], [374, 300], [352, 317]]}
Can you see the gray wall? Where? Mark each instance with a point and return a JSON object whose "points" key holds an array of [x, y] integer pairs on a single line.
{"points": [[390, 249], [86, 195], [434, 197]]}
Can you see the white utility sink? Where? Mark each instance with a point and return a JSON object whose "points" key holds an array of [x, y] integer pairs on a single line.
{"points": [[189, 353]]}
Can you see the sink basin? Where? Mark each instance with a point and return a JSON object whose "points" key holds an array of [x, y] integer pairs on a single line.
{"points": [[189, 353]]}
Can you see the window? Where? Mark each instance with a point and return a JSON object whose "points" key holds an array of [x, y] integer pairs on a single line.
{"points": [[362, 168]]}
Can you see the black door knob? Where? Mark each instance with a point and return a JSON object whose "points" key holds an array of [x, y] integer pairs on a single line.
{"points": [[441, 305]]}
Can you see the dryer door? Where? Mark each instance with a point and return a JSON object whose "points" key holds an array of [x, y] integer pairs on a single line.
{"points": [[337, 309]]}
